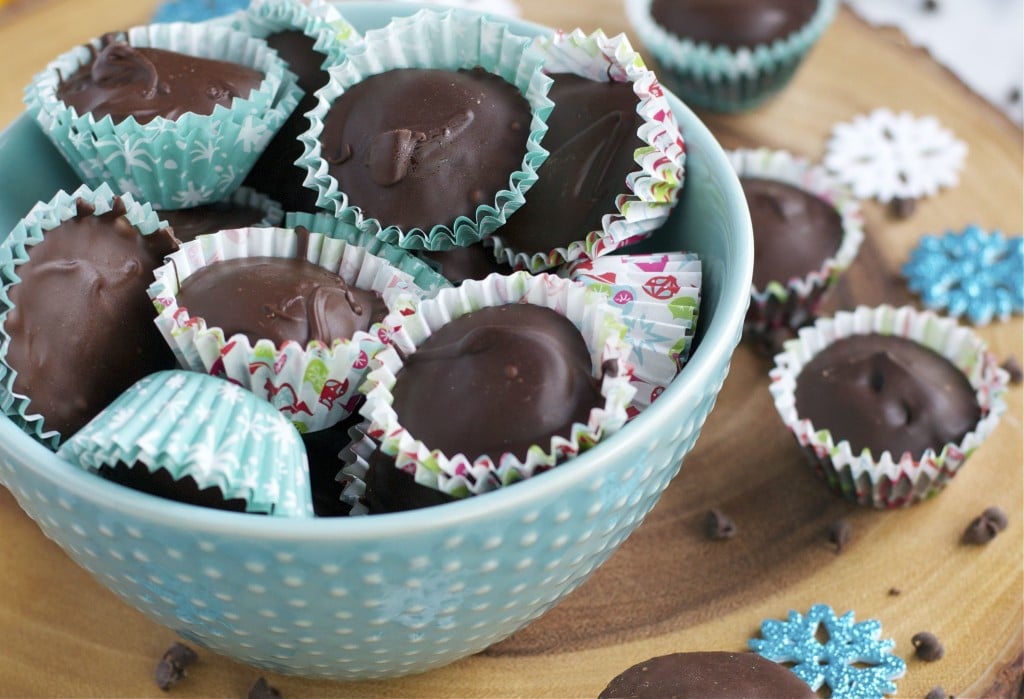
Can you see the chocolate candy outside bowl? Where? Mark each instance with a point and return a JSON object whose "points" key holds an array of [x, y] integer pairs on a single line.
{"points": [[393, 594]]}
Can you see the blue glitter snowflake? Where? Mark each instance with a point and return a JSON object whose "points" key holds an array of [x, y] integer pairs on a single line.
{"points": [[196, 10], [832, 650], [974, 273]]}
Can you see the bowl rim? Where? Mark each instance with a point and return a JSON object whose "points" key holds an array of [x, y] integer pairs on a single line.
{"points": [[704, 366]]}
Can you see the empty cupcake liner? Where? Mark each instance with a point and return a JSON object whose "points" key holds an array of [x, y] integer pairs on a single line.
{"points": [[649, 192], [412, 321], [721, 79], [196, 425], [794, 302], [659, 298], [45, 216], [355, 458], [886, 479], [450, 41], [316, 385], [173, 164], [316, 19]]}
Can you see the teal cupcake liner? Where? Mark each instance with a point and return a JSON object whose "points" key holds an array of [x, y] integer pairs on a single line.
{"points": [[173, 164], [720, 79], [316, 19], [448, 41], [207, 428], [45, 216]]}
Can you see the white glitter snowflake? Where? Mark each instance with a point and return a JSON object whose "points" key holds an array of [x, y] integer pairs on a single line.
{"points": [[192, 196], [894, 156], [252, 136]]}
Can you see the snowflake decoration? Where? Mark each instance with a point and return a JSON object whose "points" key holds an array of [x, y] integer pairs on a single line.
{"points": [[894, 156], [852, 660], [974, 273]]}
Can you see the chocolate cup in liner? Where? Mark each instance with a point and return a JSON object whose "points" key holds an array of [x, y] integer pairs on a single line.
{"points": [[652, 189], [273, 214], [447, 41], [659, 298], [316, 385], [316, 19], [196, 425], [794, 302], [889, 480], [173, 164], [45, 216], [721, 79], [412, 321]]}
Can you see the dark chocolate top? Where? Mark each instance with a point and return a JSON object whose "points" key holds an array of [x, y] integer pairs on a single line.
{"points": [[794, 230], [592, 135], [390, 489], [497, 380], [189, 223], [419, 147], [81, 326], [707, 675], [733, 23], [123, 81], [461, 263], [883, 392], [279, 299]]}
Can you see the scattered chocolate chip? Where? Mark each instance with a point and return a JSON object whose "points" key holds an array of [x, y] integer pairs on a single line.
{"points": [[936, 693], [1013, 96], [840, 532], [261, 689], [1012, 367], [895, 592], [927, 646], [985, 526], [996, 516], [718, 525], [171, 668], [930, 5], [901, 207]]}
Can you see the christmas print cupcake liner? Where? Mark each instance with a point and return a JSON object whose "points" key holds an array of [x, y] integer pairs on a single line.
{"points": [[412, 321], [173, 164], [651, 191], [886, 479], [794, 302], [14, 252], [316, 19], [659, 298], [316, 385], [448, 41], [720, 79], [196, 425]]}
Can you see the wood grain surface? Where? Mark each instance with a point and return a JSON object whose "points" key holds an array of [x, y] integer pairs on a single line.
{"points": [[667, 589]]}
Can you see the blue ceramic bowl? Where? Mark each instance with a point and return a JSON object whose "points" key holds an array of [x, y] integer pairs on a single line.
{"points": [[393, 594]]}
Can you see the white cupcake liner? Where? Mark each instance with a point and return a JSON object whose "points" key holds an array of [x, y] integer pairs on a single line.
{"points": [[196, 425], [651, 191], [448, 41], [659, 298], [888, 480], [413, 321], [316, 19], [173, 164], [45, 216], [316, 386], [721, 79], [787, 302]]}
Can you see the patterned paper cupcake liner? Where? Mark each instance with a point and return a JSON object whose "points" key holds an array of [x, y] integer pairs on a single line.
{"points": [[720, 79], [651, 191], [659, 297], [449, 41], [794, 302], [196, 425], [412, 321], [14, 252], [888, 480], [316, 386], [174, 164], [316, 19]]}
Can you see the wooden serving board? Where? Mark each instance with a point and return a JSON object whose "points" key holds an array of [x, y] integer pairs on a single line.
{"points": [[667, 589]]}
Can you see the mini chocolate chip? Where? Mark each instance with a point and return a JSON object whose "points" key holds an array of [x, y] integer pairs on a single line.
{"points": [[718, 525], [171, 668], [1012, 367], [936, 693], [927, 646], [902, 207], [840, 532], [985, 526], [895, 592], [261, 689], [1013, 95], [930, 5], [996, 516]]}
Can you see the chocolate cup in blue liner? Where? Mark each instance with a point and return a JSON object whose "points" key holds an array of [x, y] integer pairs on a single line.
{"points": [[320, 21], [209, 429], [45, 216], [273, 214], [173, 164], [718, 78], [447, 41]]}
